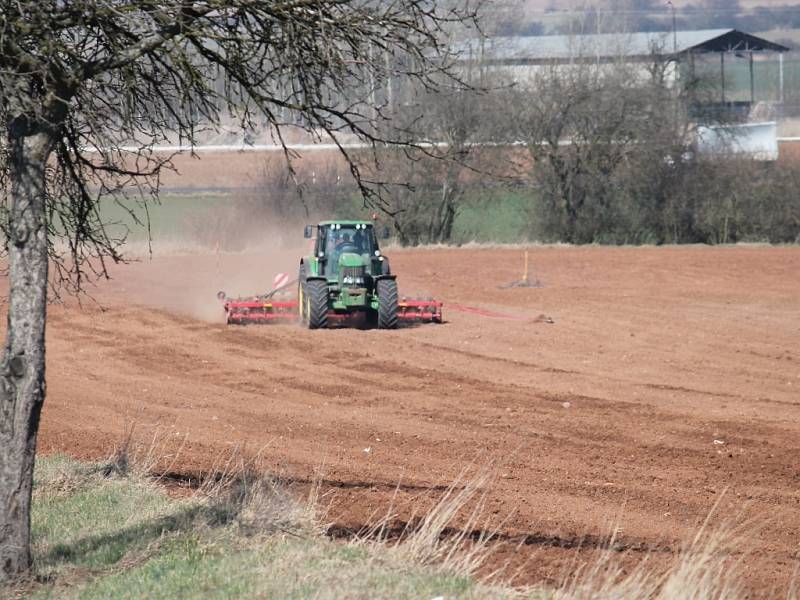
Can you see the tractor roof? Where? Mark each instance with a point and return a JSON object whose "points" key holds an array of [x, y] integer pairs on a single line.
{"points": [[345, 222]]}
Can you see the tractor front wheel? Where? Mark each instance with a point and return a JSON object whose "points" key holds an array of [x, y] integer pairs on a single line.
{"points": [[387, 303], [315, 310]]}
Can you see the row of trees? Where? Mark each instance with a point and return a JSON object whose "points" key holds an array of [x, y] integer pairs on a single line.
{"points": [[614, 160], [591, 154], [573, 195]]}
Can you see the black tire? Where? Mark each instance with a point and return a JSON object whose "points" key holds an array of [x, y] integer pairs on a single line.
{"points": [[316, 304], [387, 303]]}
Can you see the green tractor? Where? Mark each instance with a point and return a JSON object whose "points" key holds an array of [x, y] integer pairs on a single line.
{"points": [[346, 276]]}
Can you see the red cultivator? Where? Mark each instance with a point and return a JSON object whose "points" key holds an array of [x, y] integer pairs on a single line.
{"points": [[279, 306], [241, 311], [419, 311]]}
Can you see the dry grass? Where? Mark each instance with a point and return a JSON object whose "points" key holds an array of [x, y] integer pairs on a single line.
{"points": [[246, 533], [238, 488], [707, 568], [433, 539], [143, 457], [703, 571]]}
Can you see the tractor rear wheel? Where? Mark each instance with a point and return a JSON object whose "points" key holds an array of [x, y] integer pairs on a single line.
{"points": [[387, 303], [316, 307]]}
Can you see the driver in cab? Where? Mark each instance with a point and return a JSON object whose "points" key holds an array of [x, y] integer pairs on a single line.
{"points": [[345, 241]]}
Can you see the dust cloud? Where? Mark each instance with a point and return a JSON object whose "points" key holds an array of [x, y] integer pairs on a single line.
{"points": [[183, 276]]}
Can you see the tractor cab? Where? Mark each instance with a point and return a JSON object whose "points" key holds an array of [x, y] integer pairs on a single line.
{"points": [[347, 246]]}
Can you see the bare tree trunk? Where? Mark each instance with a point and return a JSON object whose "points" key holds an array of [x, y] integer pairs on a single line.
{"points": [[22, 383]]}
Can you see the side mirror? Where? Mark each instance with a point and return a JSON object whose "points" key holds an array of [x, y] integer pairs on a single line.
{"points": [[385, 233], [308, 232]]}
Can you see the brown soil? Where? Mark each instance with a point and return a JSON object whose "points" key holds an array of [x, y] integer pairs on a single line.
{"points": [[232, 170], [667, 384]]}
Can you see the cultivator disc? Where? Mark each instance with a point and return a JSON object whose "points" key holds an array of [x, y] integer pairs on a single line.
{"points": [[275, 307], [244, 312], [419, 310]]}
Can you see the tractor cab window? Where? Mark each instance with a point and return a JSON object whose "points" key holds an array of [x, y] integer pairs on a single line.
{"points": [[364, 241], [349, 239], [334, 242]]}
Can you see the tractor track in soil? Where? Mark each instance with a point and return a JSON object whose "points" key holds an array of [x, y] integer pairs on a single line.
{"points": [[605, 418]]}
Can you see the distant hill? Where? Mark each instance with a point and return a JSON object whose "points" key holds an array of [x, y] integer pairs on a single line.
{"points": [[537, 17], [543, 5]]}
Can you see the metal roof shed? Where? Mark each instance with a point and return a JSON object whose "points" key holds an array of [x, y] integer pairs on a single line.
{"points": [[732, 40], [739, 43], [643, 45]]}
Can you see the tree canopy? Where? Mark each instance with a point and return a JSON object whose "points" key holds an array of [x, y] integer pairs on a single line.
{"points": [[106, 80], [88, 87]]}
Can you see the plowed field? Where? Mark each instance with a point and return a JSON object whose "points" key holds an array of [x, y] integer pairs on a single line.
{"points": [[667, 383]]}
